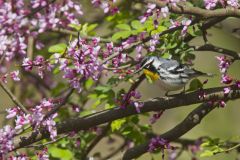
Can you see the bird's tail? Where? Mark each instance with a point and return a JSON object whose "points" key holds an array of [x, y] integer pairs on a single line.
{"points": [[199, 73]]}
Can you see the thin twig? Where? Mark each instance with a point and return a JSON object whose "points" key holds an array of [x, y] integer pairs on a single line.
{"points": [[228, 150], [13, 97], [115, 152], [97, 139], [47, 143], [2, 58]]}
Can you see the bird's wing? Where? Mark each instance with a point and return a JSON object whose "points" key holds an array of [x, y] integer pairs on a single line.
{"points": [[173, 69]]}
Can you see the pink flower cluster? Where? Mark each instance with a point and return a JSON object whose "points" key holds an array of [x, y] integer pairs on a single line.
{"points": [[158, 142], [132, 98], [14, 75], [83, 63], [224, 64], [35, 118], [6, 139], [210, 4], [107, 5], [42, 155], [39, 62], [18, 22], [153, 10], [156, 116]]}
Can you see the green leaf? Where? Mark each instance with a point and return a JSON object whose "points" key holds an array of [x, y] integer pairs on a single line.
{"points": [[109, 106], [103, 89], [117, 124], [136, 24], [124, 27], [58, 48], [93, 96], [161, 28], [56, 70], [166, 55], [84, 29], [91, 27], [207, 153], [122, 34], [77, 27], [60, 153], [89, 83], [195, 84], [95, 104]]}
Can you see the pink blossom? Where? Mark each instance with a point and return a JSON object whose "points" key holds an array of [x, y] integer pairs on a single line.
{"points": [[210, 4], [15, 75], [12, 112], [27, 64], [226, 79], [22, 120], [237, 84], [185, 23], [43, 154], [165, 11], [233, 3], [224, 63], [226, 90], [158, 142], [155, 117], [222, 103], [6, 139]]}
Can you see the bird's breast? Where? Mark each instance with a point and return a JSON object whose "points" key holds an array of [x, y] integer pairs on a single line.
{"points": [[165, 85]]}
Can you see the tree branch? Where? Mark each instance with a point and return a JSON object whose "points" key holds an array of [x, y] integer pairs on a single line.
{"points": [[210, 47], [205, 26], [157, 104], [186, 125], [182, 8]]}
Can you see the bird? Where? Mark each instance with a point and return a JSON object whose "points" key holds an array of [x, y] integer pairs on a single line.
{"points": [[169, 74]]}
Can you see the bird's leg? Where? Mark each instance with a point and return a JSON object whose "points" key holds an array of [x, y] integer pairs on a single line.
{"points": [[166, 94], [183, 91]]}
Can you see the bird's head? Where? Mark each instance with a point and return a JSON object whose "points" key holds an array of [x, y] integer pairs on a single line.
{"points": [[148, 67]]}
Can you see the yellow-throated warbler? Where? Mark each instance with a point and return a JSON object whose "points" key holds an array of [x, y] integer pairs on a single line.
{"points": [[168, 73]]}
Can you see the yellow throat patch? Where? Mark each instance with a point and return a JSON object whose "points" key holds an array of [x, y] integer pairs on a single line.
{"points": [[153, 76]]}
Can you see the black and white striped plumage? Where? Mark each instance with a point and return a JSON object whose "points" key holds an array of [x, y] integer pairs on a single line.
{"points": [[172, 74]]}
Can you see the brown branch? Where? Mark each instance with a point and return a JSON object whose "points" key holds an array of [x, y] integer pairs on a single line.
{"points": [[210, 47], [208, 24], [186, 125], [47, 143], [157, 104], [183, 8]]}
